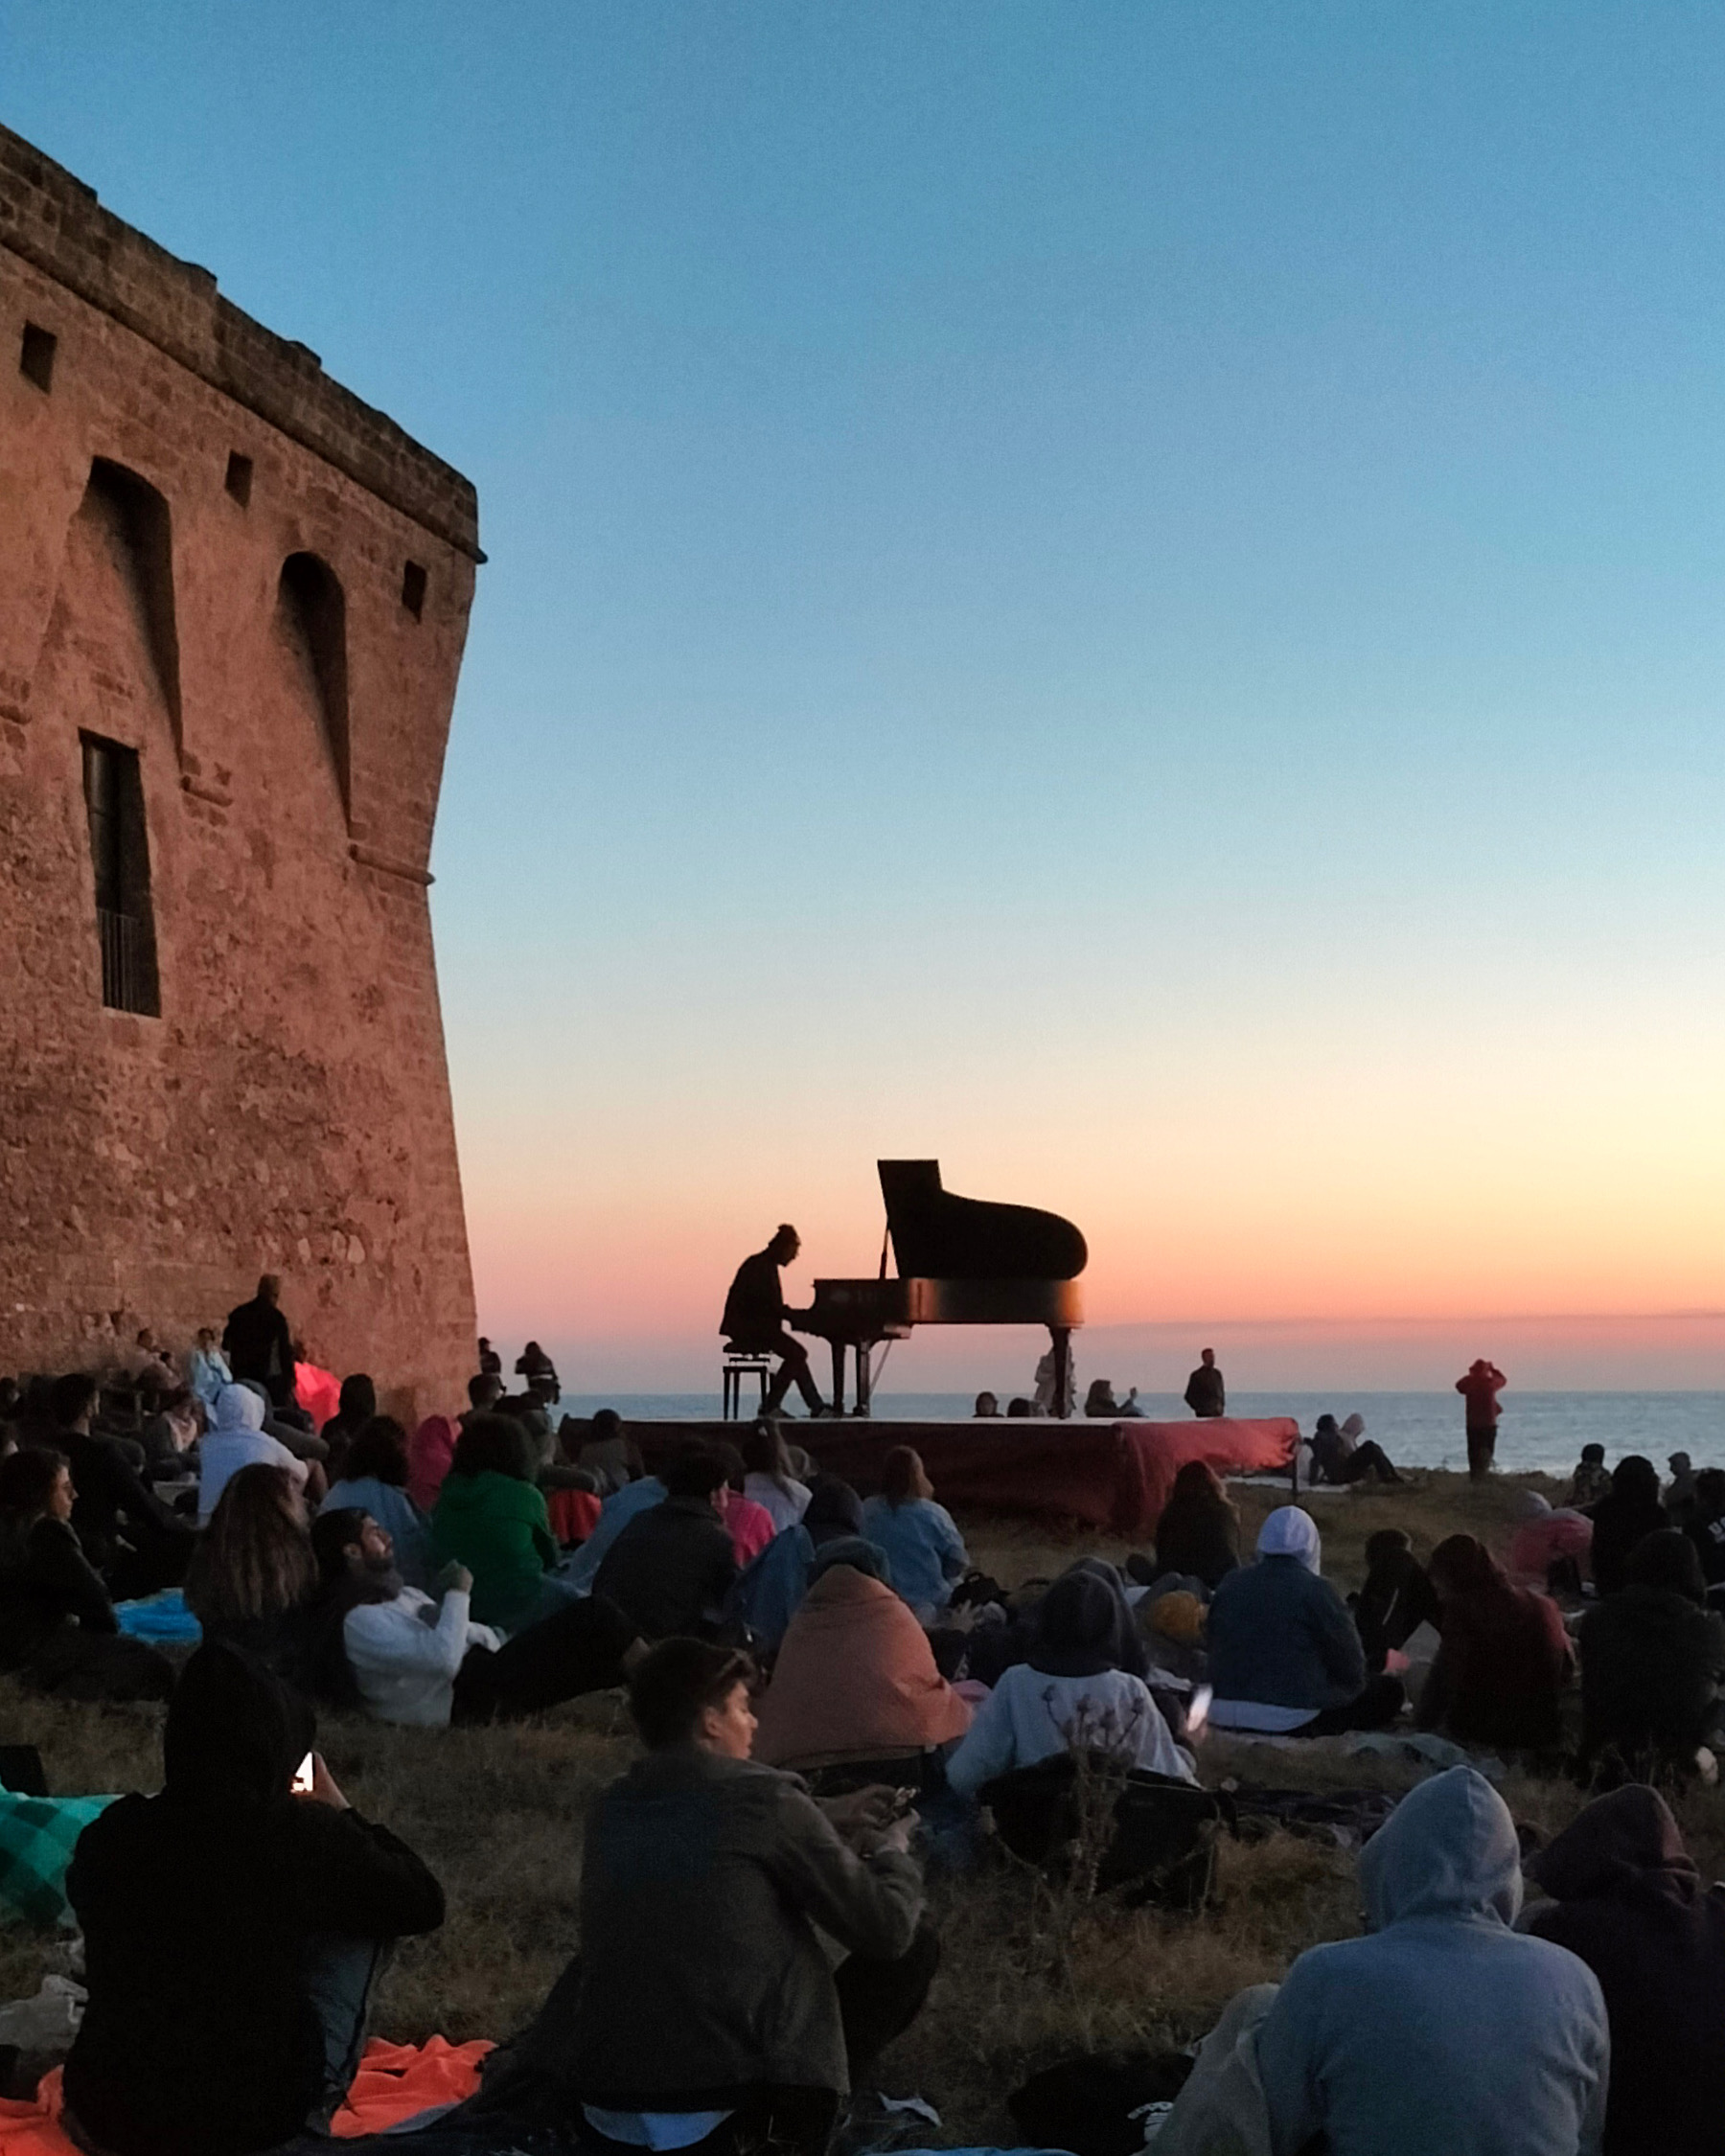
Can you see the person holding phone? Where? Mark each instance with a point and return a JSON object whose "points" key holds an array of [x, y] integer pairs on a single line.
{"points": [[703, 2004], [232, 1930]]}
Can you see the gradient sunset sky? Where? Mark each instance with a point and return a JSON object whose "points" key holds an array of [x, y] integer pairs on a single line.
{"points": [[1129, 596]]}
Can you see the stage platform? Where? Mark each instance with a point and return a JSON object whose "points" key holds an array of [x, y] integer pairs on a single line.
{"points": [[1113, 1476]]}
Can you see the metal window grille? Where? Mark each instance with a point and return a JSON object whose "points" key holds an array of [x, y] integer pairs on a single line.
{"points": [[124, 962]]}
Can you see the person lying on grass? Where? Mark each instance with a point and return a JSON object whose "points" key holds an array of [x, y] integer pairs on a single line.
{"points": [[392, 1650], [232, 1928], [703, 2011]]}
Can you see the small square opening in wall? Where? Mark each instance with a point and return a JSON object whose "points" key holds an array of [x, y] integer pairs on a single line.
{"points": [[36, 356], [413, 588], [239, 477]]}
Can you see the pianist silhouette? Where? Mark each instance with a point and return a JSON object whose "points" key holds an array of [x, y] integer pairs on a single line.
{"points": [[755, 1316]]}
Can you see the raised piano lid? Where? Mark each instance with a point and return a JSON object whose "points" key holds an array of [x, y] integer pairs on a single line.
{"points": [[939, 1236]]}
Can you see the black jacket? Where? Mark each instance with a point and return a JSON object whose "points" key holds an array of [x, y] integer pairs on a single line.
{"points": [[670, 1571], [754, 1310], [108, 1486], [1619, 1525], [197, 1907], [254, 1330], [1651, 1659], [1206, 1393], [45, 1582]]}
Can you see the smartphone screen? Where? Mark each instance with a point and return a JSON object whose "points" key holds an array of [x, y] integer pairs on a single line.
{"points": [[301, 1784]]}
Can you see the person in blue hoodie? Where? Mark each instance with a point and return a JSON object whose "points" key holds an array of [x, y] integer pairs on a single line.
{"points": [[1285, 1655], [1444, 2032]]}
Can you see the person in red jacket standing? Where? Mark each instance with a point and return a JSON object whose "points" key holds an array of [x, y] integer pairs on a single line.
{"points": [[1480, 1389]]}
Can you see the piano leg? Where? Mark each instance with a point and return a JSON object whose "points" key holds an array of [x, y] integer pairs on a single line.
{"points": [[865, 1376], [1061, 1338], [838, 1377]]}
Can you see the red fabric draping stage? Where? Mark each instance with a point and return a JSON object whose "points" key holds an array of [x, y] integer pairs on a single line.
{"points": [[1115, 1476], [1111, 1475]]}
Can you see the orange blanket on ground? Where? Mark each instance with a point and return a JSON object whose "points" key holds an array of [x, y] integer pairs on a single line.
{"points": [[394, 2081]]}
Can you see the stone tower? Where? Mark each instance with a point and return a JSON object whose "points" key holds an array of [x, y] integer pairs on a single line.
{"points": [[233, 600]]}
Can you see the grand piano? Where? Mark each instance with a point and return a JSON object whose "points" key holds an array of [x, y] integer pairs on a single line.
{"points": [[961, 1261]]}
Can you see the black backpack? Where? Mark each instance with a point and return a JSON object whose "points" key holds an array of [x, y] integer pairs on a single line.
{"points": [[1162, 1847]]}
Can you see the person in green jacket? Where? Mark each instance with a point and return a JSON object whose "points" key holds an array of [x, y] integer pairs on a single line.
{"points": [[491, 1517]]}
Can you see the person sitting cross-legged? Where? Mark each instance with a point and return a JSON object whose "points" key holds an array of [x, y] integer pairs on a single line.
{"points": [[1285, 1658], [400, 1655], [703, 2010], [232, 1930]]}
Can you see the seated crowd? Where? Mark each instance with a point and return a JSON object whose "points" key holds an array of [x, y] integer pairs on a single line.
{"points": [[812, 1676]]}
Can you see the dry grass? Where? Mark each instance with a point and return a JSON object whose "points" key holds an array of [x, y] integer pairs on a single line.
{"points": [[1026, 1979]]}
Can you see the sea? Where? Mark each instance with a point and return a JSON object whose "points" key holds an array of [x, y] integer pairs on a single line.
{"points": [[1540, 1431]]}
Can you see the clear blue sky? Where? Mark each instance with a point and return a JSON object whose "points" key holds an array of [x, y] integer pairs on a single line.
{"points": [[1187, 541]]}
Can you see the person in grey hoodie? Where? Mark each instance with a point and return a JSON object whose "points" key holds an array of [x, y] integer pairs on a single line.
{"points": [[1444, 2032]]}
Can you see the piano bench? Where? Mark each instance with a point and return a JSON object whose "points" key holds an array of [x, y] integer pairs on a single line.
{"points": [[736, 1367]]}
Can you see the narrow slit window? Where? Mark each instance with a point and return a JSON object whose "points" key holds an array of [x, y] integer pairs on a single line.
{"points": [[36, 355], [413, 589], [119, 855], [239, 477]]}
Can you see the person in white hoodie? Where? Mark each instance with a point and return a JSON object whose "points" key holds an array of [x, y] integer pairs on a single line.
{"points": [[237, 1440], [1070, 1695], [404, 1657]]}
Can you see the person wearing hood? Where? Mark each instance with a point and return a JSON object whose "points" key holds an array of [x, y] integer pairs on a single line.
{"points": [[1651, 1657], [1627, 1899], [1706, 1528], [1628, 1516], [769, 1592], [1505, 1656], [237, 1440], [1339, 1456], [672, 1568], [1480, 1389], [855, 1679], [1069, 1695], [430, 1450], [1285, 1657], [1545, 1538], [1444, 2032], [923, 1544], [231, 1930], [490, 1518]]}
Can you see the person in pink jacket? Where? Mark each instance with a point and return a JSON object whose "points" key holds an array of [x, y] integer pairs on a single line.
{"points": [[1480, 1389], [428, 1457]]}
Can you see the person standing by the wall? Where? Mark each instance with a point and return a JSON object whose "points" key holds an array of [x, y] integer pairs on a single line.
{"points": [[1480, 1389]]}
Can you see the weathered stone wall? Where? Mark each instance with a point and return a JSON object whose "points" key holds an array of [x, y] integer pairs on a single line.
{"points": [[288, 1110]]}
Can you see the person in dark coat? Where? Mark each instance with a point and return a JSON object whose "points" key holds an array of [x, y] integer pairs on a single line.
{"points": [[1199, 1532], [1504, 1657], [710, 1887], [755, 1321], [231, 1930], [356, 1406], [1629, 1902], [1397, 1599], [1706, 1529], [1628, 1516], [673, 1567], [259, 1342], [1206, 1393], [125, 1529], [1651, 1656], [58, 1626]]}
